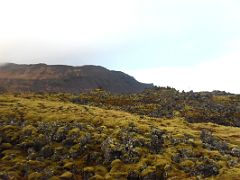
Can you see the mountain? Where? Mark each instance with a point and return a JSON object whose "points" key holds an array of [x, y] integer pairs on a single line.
{"points": [[61, 78]]}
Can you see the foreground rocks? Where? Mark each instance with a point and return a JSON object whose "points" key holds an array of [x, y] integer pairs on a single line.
{"points": [[60, 143], [52, 138], [211, 142], [76, 150]]}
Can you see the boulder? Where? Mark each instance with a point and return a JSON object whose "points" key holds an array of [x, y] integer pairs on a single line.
{"points": [[60, 134], [157, 140], [29, 130], [112, 149], [88, 172], [47, 151], [133, 175], [213, 143], [235, 152], [207, 169]]}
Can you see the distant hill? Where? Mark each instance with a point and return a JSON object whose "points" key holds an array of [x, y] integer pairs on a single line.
{"points": [[61, 78]]}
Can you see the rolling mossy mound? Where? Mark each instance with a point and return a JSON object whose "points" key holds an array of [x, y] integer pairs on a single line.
{"points": [[216, 107], [46, 136]]}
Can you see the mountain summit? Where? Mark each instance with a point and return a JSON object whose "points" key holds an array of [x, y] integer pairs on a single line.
{"points": [[62, 78]]}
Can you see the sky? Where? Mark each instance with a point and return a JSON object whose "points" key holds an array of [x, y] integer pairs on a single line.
{"points": [[189, 45]]}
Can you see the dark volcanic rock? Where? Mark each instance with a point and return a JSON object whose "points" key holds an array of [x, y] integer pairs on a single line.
{"points": [[207, 169], [154, 176], [157, 140], [235, 152], [47, 151], [134, 175], [112, 149], [212, 142]]}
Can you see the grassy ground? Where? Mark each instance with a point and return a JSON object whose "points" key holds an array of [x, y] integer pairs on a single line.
{"points": [[52, 109]]}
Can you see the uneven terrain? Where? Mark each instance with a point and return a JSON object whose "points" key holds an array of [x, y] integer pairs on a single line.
{"points": [[97, 135]]}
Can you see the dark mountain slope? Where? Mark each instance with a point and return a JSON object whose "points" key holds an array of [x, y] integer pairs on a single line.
{"points": [[60, 78]]}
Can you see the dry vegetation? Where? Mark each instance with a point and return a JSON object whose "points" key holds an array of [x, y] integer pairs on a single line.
{"points": [[47, 136]]}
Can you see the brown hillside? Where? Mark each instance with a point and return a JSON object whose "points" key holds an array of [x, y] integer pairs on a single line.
{"points": [[61, 78]]}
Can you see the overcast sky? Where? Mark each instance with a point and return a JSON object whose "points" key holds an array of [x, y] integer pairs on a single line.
{"points": [[184, 44]]}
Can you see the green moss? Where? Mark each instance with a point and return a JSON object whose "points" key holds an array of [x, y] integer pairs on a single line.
{"points": [[12, 151], [74, 131], [100, 170], [97, 177], [42, 117], [88, 169], [148, 170], [35, 176], [54, 178], [66, 175], [187, 163], [69, 165], [9, 128], [29, 130], [6, 146]]}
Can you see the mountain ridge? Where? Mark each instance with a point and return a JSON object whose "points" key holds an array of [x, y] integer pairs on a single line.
{"points": [[64, 78]]}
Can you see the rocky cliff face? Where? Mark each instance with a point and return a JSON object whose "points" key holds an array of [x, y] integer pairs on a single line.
{"points": [[60, 78]]}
